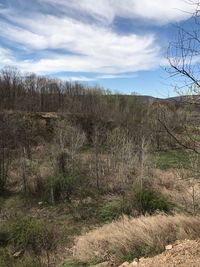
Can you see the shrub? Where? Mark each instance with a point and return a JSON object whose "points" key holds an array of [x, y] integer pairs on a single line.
{"points": [[143, 236], [149, 201], [32, 234], [113, 210], [61, 187]]}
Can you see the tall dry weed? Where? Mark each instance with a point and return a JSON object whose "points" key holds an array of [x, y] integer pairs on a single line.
{"points": [[145, 235]]}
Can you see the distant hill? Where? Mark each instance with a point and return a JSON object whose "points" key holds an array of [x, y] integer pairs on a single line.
{"points": [[185, 99]]}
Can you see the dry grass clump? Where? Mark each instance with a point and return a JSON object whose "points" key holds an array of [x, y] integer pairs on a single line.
{"points": [[146, 235], [179, 186]]}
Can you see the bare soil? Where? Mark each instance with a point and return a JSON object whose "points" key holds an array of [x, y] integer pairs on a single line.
{"points": [[183, 254]]}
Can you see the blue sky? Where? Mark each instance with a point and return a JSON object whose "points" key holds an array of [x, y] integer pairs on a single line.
{"points": [[118, 44]]}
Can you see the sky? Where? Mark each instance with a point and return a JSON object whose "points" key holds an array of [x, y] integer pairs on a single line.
{"points": [[117, 44]]}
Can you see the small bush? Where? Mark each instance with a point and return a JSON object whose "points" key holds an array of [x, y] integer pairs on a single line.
{"points": [[149, 201], [61, 187], [137, 253], [31, 233], [112, 210]]}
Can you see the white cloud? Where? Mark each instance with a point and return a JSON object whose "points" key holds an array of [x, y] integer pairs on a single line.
{"points": [[22, 36], [88, 47], [158, 11], [76, 78], [102, 10], [116, 76], [92, 48], [6, 57], [95, 78]]}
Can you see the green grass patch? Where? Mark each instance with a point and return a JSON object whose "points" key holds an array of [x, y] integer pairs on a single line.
{"points": [[112, 210], [140, 252], [149, 201], [172, 159]]}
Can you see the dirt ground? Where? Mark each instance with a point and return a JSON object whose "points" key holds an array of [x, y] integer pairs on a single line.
{"points": [[183, 254]]}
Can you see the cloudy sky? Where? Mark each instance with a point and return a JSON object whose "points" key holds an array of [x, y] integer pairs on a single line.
{"points": [[118, 44]]}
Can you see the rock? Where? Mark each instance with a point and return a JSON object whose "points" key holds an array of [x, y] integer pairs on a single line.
{"points": [[141, 259], [134, 263], [169, 247], [125, 264], [87, 200], [103, 264], [18, 254]]}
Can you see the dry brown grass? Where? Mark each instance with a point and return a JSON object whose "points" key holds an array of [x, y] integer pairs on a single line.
{"points": [[177, 186], [144, 235]]}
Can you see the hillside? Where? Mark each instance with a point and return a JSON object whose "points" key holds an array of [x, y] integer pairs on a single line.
{"points": [[88, 177]]}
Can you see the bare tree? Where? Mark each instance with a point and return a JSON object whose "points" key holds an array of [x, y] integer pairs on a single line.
{"points": [[67, 143], [183, 54], [183, 57]]}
